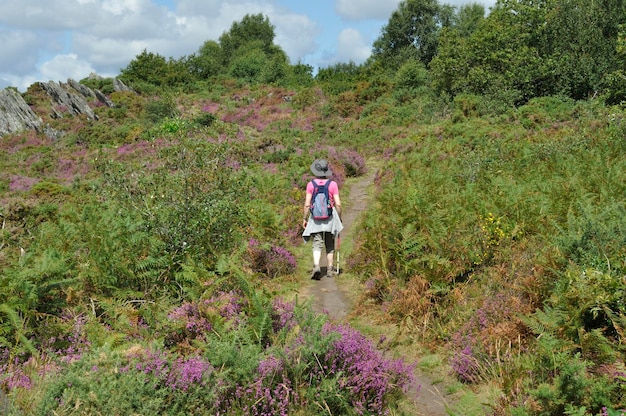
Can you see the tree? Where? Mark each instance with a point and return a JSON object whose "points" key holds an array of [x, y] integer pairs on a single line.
{"points": [[300, 75], [532, 48], [467, 19], [146, 67], [411, 33], [581, 42], [154, 69], [614, 83], [249, 63], [208, 61], [339, 77], [252, 28], [249, 53], [498, 59]]}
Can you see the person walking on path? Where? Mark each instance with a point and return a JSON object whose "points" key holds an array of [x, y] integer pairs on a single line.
{"points": [[323, 232]]}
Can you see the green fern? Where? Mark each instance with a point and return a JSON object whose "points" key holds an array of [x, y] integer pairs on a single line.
{"points": [[15, 327]]}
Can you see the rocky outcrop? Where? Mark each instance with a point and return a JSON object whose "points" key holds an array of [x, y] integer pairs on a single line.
{"points": [[71, 98], [15, 114], [67, 100], [84, 90], [120, 86]]}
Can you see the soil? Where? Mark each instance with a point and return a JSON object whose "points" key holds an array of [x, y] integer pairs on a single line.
{"points": [[330, 297]]}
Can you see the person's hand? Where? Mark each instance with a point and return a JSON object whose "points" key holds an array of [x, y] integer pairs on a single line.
{"points": [[304, 222]]}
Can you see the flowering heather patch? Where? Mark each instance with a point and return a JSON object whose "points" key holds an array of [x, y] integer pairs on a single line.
{"points": [[179, 374], [262, 113], [21, 183], [210, 108], [362, 370], [283, 314], [271, 393], [14, 144], [186, 372], [12, 374], [23, 375], [465, 365], [609, 412], [303, 123], [352, 162], [68, 169], [19, 373], [232, 163], [143, 147], [271, 168], [198, 318], [196, 324], [272, 261], [76, 343]]}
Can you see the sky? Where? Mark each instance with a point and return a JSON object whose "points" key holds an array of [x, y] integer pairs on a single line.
{"points": [[55, 40]]}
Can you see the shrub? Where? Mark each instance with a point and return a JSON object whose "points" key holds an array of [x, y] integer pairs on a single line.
{"points": [[270, 260], [158, 109]]}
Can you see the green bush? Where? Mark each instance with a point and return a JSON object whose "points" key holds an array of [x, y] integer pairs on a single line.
{"points": [[160, 108]]}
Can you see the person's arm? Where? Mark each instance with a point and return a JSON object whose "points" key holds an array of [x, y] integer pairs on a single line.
{"points": [[307, 209], [334, 188], [337, 203]]}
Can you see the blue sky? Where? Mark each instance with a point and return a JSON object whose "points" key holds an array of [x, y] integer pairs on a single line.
{"points": [[61, 39]]}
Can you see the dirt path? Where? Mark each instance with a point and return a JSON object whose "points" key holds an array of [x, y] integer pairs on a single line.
{"points": [[329, 298]]}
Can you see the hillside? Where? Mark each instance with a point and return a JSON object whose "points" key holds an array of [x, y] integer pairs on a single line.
{"points": [[151, 250], [133, 234]]}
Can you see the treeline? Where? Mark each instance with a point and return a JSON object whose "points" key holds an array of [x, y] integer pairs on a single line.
{"points": [[521, 49]]}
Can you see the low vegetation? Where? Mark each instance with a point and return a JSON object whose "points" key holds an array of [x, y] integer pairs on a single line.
{"points": [[151, 255]]}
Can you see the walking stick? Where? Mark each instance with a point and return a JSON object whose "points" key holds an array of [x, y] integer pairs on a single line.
{"points": [[337, 244]]}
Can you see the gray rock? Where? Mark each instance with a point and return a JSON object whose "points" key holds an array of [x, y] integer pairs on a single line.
{"points": [[84, 90], [15, 114], [118, 85], [65, 100], [104, 99]]}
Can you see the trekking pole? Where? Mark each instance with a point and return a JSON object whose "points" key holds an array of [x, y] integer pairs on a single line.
{"points": [[338, 243]]}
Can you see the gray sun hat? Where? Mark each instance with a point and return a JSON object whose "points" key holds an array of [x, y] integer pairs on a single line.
{"points": [[320, 169]]}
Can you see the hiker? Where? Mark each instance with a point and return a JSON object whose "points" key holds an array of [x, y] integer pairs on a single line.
{"points": [[323, 227]]}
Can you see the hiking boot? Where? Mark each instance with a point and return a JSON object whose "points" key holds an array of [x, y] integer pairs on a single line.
{"points": [[331, 272], [316, 273]]}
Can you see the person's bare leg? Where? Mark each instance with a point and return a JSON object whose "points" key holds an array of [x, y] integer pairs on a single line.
{"points": [[317, 255]]}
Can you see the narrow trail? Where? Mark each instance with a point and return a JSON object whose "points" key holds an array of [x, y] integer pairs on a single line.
{"points": [[329, 296]]}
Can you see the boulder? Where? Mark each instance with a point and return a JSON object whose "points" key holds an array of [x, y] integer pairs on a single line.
{"points": [[104, 99], [15, 113], [66, 99], [84, 90], [118, 85]]}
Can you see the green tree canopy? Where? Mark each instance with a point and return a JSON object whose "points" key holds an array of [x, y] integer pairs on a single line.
{"points": [[581, 42], [467, 18], [208, 61], [411, 33], [530, 48], [252, 28], [147, 67]]}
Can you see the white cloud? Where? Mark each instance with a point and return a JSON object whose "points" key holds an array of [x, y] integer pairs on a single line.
{"points": [[366, 9], [62, 67], [352, 46], [457, 3], [296, 35], [19, 50]]}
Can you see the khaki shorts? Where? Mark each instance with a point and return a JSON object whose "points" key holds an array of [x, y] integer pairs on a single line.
{"points": [[324, 240]]}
